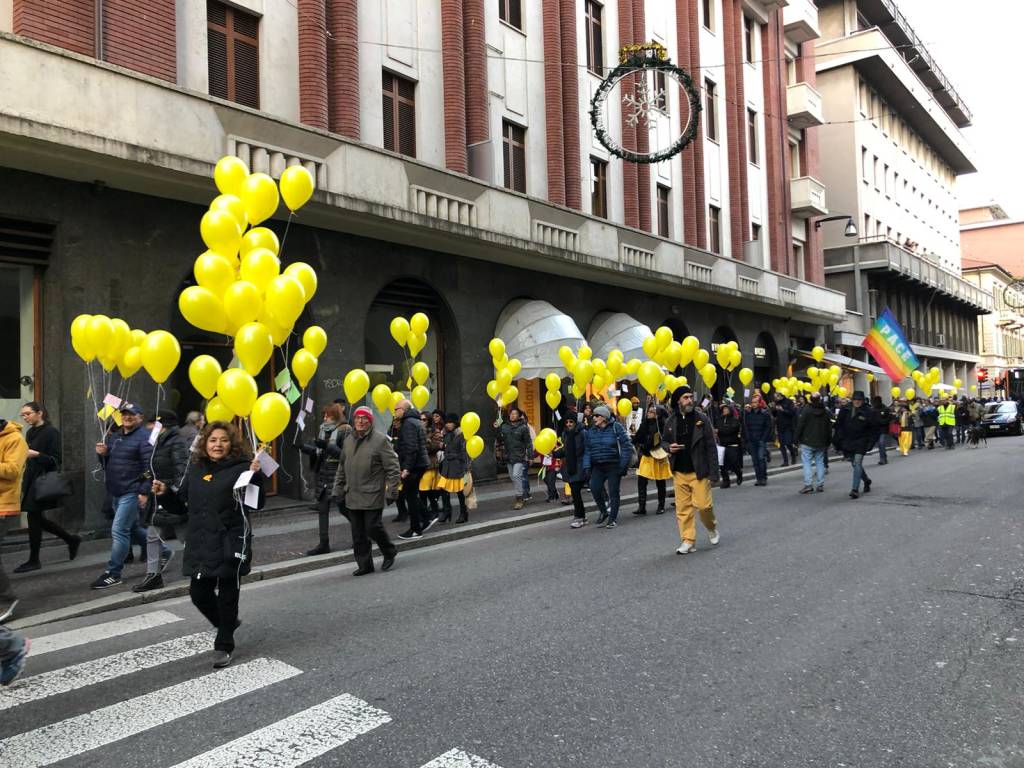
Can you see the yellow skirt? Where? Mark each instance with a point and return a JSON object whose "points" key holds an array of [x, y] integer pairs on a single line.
{"points": [[429, 480], [451, 484], [654, 469]]}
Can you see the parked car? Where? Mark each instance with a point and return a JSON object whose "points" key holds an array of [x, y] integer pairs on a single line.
{"points": [[1002, 418]]}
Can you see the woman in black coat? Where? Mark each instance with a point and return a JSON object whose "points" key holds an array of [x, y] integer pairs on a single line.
{"points": [[453, 469], [325, 454], [571, 453], [44, 455], [729, 431], [218, 541]]}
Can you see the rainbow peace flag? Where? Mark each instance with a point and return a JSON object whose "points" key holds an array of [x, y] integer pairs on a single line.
{"points": [[887, 344]]}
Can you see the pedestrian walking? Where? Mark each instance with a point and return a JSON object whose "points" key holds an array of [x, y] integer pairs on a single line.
{"points": [[14, 649], [126, 455], [366, 481], [324, 453], [430, 494], [757, 431], [572, 454], [856, 432], [785, 420], [729, 436], [929, 423], [694, 459], [963, 417], [514, 436], [411, 448], [606, 456], [454, 466], [13, 459], [885, 420], [218, 538], [44, 455], [169, 465], [906, 421], [814, 435], [947, 422], [654, 464]]}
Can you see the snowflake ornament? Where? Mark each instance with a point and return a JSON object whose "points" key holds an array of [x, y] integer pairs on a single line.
{"points": [[641, 104]]}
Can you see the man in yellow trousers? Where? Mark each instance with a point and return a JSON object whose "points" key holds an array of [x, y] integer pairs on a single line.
{"points": [[694, 459]]}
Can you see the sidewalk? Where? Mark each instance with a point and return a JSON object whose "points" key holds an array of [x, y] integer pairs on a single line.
{"points": [[283, 532]]}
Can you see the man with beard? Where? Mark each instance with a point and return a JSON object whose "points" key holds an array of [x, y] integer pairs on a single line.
{"points": [[694, 458]]}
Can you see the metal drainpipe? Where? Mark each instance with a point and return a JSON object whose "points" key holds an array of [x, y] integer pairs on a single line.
{"points": [[98, 35]]}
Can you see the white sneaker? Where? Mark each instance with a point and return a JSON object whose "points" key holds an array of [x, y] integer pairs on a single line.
{"points": [[686, 548], [713, 537]]}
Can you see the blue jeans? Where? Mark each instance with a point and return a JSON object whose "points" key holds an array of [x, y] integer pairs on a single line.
{"points": [[813, 459], [520, 478], [857, 460], [757, 455], [599, 475], [125, 530], [882, 440]]}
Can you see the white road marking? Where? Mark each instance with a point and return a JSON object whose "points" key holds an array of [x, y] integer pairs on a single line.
{"points": [[297, 739], [456, 758], [61, 640], [92, 730], [100, 670]]}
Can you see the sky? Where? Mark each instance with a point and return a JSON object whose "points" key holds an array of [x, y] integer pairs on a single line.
{"points": [[978, 46]]}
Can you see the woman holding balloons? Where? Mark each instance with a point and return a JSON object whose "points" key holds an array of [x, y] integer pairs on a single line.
{"points": [[453, 469], [218, 543], [324, 452]]}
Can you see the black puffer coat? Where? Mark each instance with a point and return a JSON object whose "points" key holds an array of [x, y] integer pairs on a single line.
{"points": [[46, 439], [648, 434], [170, 462], [456, 460], [218, 532]]}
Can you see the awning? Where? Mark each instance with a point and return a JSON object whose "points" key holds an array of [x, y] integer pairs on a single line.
{"points": [[533, 331], [846, 363], [617, 330]]}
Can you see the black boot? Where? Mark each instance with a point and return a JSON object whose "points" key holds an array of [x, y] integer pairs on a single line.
{"points": [[320, 549], [446, 510], [725, 480], [661, 500], [463, 516], [642, 502]]}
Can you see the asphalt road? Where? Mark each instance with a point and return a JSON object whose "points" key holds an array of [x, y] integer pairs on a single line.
{"points": [[822, 631]]}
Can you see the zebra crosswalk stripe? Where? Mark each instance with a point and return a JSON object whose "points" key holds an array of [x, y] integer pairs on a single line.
{"points": [[60, 641], [456, 758], [100, 670], [297, 739], [107, 725]]}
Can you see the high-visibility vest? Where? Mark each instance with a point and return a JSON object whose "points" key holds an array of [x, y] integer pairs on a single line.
{"points": [[947, 415]]}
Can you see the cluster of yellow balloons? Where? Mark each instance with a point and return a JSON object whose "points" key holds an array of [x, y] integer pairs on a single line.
{"points": [[500, 388], [233, 393], [553, 385], [594, 372], [469, 424], [927, 380], [115, 344], [411, 333]]}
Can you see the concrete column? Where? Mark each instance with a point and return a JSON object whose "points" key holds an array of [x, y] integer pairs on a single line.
{"points": [[553, 100], [453, 68], [343, 67]]}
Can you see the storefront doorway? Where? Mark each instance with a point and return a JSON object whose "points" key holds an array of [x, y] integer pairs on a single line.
{"points": [[18, 334]]}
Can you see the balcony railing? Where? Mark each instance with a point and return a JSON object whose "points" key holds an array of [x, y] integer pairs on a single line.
{"points": [[800, 19], [803, 106], [808, 197]]}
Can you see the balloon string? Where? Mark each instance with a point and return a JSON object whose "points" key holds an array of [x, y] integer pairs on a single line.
{"points": [[156, 414], [284, 237]]}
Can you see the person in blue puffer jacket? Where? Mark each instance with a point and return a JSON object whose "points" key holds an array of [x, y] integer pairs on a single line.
{"points": [[607, 457], [757, 432]]}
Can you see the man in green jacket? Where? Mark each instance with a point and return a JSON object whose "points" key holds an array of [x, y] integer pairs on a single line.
{"points": [[367, 479]]}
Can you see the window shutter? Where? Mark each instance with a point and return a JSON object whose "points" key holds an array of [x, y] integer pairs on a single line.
{"points": [[389, 113], [519, 159], [247, 74], [233, 58], [407, 128], [507, 157], [218, 63], [515, 13]]}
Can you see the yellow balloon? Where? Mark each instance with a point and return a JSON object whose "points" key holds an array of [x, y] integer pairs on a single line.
{"points": [[214, 272], [910, 393], [957, 383], [974, 387], [552, 382], [598, 383], [722, 355], [315, 340], [99, 334], [650, 346], [564, 353], [493, 390], [202, 309], [253, 347], [419, 323], [871, 377], [259, 196], [400, 331], [160, 355], [216, 410], [585, 352], [470, 424], [510, 395], [584, 372], [395, 398], [259, 237], [700, 359], [108, 363], [237, 390], [420, 396], [229, 174], [632, 367], [663, 336], [735, 360], [545, 441], [130, 362], [356, 384], [624, 407], [689, 348], [259, 267], [497, 348], [514, 367], [553, 398], [577, 391], [242, 303], [296, 187], [420, 372], [306, 276], [220, 232], [417, 341], [651, 376], [204, 372], [381, 396], [766, 387], [895, 392], [474, 446], [285, 299], [232, 205], [121, 340], [818, 353], [270, 415], [80, 339], [746, 376], [504, 379], [709, 374]]}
